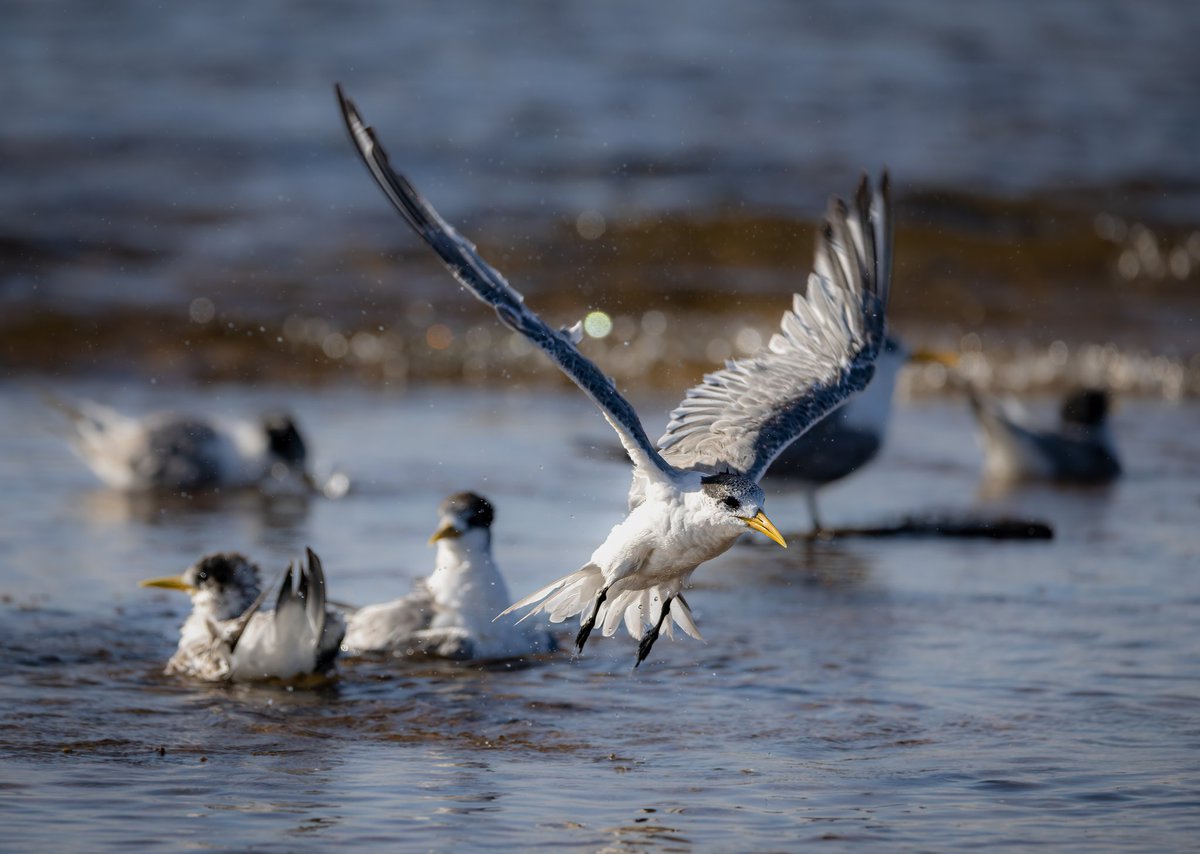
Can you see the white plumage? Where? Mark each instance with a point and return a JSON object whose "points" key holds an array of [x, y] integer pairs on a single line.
{"points": [[696, 491], [450, 613], [228, 638]]}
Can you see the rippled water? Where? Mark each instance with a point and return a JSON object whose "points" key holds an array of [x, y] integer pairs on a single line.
{"points": [[919, 693]]}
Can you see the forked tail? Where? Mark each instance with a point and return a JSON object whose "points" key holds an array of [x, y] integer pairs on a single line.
{"points": [[570, 595]]}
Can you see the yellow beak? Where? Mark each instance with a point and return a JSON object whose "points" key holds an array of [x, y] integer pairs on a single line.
{"points": [[446, 532], [171, 582], [941, 357], [759, 522]]}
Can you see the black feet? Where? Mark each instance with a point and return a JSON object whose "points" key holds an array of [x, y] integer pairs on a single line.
{"points": [[650, 637], [585, 628]]}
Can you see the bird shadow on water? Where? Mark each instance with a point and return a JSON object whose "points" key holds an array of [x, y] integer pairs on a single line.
{"points": [[823, 563]]}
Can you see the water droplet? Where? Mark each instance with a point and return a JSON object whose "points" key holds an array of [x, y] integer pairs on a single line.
{"points": [[590, 225]]}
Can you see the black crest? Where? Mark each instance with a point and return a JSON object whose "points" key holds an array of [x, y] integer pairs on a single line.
{"points": [[474, 509], [1086, 407], [217, 570], [284, 438]]}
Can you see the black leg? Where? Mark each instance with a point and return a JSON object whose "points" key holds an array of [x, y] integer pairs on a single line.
{"points": [[649, 639], [585, 628], [817, 530]]}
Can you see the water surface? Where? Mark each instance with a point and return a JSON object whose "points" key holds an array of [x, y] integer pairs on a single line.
{"points": [[929, 694]]}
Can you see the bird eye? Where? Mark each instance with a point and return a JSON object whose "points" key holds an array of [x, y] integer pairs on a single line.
{"points": [[732, 503]]}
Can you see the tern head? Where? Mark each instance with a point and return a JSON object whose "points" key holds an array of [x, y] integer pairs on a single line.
{"points": [[1085, 408], [737, 501], [224, 584], [464, 515], [284, 439]]}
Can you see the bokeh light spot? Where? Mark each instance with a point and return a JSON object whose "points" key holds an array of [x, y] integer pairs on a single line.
{"points": [[439, 336], [748, 340], [597, 324], [591, 225], [202, 310]]}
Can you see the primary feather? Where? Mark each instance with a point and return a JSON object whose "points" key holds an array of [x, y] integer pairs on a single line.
{"points": [[741, 417]]}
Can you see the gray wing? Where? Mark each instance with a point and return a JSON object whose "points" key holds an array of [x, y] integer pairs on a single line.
{"points": [[392, 625], [487, 284], [239, 623], [327, 626], [180, 453], [741, 417]]}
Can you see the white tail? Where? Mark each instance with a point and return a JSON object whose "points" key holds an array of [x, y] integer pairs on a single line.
{"points": [[574, 594], [640, 608], [566, 597]]}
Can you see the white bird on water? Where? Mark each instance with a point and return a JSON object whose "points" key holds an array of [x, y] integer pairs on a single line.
{"points": [[182, 452], [228, 638], [451, 614], [696, 491]]}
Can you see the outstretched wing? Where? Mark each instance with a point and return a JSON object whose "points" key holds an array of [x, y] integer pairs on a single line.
{"points": [[485, 282], [741, 417]]}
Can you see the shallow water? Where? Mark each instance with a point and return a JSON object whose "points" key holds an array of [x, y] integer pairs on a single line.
{"points": [[919, 693]]}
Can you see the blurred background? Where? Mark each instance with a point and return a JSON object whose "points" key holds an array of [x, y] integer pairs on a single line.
{"points": [[179, 202]]}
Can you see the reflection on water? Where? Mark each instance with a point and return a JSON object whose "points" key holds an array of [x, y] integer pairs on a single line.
{"points": [[911, 693], [105, 507]]}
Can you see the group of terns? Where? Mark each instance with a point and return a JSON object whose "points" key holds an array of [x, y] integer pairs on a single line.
{"points": [[803, 406]]}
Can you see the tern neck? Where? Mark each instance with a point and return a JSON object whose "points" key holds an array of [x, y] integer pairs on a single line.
{"points": [[224, 604], [466, 571]]}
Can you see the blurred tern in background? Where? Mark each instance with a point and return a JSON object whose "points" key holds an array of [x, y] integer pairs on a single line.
{"points": [[696, 491], [1079, 450], [169, 451]]}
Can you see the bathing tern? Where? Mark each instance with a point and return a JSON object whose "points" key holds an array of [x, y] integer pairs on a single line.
{"points": [[451, 614], [695, 491], [229, 638]]}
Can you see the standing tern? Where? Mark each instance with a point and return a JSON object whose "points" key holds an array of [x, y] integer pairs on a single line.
{"points": [[696, 491], [1079, 450], [228, 638], [451, 614], [851, 436], [171, 451]]}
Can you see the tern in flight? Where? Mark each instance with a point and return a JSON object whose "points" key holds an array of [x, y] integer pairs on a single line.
{"points": [[695, 491]]}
